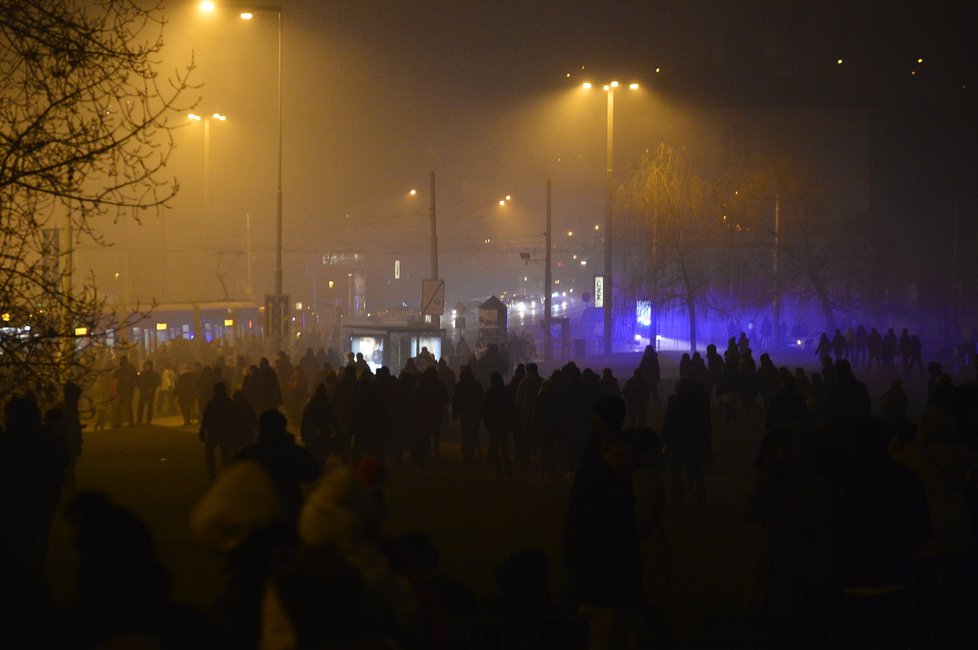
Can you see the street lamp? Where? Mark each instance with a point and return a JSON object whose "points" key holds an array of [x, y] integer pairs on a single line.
{"points": [[609, 89], [247, 12], [207, 119]]}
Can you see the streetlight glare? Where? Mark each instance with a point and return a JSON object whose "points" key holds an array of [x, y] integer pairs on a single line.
{"points": [[207, 6], [633, 86], [509, 198], [607, 87], [586, 85], [502, 201], [413, 192], [218, 116], [247, 15], [614, 84], [194, 117]]}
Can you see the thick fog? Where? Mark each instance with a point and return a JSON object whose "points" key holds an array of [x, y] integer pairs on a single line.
{"points": [[488, 95]]}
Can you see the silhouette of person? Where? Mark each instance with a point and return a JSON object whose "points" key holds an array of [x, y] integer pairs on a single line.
{"points": [[32, 470], [320, 429], [287, 464], [601, 543], [467, 409], [148, 380], [124, 380], [688, 434], [498, 413], [217, 430]]}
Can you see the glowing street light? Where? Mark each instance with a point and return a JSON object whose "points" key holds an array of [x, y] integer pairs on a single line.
{"points": [[207, 119], [609, 89], [248, 13]]}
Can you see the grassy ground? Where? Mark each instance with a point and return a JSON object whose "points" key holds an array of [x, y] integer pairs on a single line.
{"points": [[158, 471]]}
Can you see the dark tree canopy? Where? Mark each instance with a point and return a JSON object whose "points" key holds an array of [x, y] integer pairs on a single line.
{"points": [[85, 133]]}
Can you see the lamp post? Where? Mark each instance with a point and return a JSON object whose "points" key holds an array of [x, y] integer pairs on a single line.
{"points": [[247, 12], [609, 176], [206, 120]]}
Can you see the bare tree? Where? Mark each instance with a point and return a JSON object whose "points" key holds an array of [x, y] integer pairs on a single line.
{"points": [[85, 133], [676, 208], [818, 254]]}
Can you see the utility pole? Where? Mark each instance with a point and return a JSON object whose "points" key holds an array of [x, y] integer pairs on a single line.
{"points": [[248, 290], [547, 285], [608, 230], [777, 281], [434, 231]]}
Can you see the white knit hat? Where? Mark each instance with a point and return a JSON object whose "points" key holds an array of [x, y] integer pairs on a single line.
{"points": [[335, 512], [241, 501]]}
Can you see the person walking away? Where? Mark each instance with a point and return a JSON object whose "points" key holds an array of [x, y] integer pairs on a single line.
{"points": [[903, 347], [69, 428], [431, 400], [286, 463], [245, 421], [186, 390], [888, 349], [874, 349], [916, 356], [601, 545], [320, 430], [547, 422], [688, 435], [636, 396], [217, 430], [148, 380], [649, 365], [839, 345], [447, 378], [526, 397], [498, 413], [124, 379], [467, 409]]}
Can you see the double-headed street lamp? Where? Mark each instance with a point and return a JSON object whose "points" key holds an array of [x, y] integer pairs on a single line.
{"points": [[206, 119], [609, 89], [247, 12]]}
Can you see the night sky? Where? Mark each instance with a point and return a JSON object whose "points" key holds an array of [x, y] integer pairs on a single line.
{"points": [[376, 94]]}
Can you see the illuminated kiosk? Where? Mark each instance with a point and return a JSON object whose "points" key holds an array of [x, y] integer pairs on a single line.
{"points": [[393, 345], [493, 315]]}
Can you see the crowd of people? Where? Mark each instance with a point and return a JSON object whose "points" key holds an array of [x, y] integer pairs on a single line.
{"points": [[859, 515]]}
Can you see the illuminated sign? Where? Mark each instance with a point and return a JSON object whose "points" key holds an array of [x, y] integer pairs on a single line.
{"points": [[161, 327], [599, 291], [228, 322], [397, 269], [81, 331]]}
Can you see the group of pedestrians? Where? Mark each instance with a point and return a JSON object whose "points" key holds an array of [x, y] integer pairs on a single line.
{"points": [[872, 350], [858, 515]]}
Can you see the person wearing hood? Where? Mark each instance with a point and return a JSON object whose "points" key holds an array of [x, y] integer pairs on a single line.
{"points": [[288, 465]]}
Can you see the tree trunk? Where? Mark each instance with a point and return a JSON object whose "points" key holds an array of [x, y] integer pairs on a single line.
{"points": [[826, 303]]}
